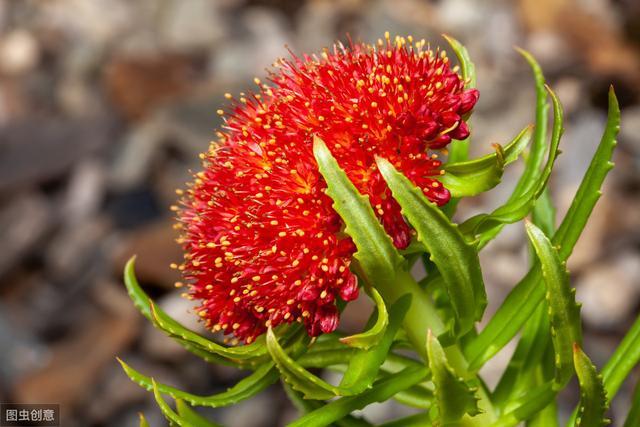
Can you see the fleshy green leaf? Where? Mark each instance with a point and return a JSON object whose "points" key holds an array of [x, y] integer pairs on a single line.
{"points": [[459, 150], [529, 352], [417, 420], [374, 334], [456, 259], [538, 147], [527, 295], [624, 359], [467, 69], [305, 406], [253, 384], [363, 366], [192, 416], [564, 313], [633, 417], [454, 397], [516, 208], [593, 397], [168, 413], [472, 177], [525, 407], [143, 420], [376, 253], [173, 328], [381, 391]]}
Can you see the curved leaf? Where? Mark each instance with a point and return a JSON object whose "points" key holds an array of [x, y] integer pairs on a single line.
{"points": [[381, 391], [456, 259], [168, 413], [472, 177], [538, 147], [516, 208], [374, 334], [633, 417], [593, 397], [459, 150], [417, 420], [564, 313], [173, 328], [362, 370], [376, 253], [525, 297], [467, 69], [527, 406], [624, 359], [253, 384], [192, 416], [143, 420], [454, 397]]}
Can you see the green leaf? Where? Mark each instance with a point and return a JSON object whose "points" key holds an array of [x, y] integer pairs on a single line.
{"points": [[374, 334], [472, 177], [467, 69], [538, 148], [381, 391], [526, 406], [456, 259], [454, 397], [593, 397], [633, 417], [160, 318], [143, 420], [519, 205], [623, 360], [515, 380], [376, 253], [527, 295], [564, 313], [417, 420], [253, 384], [192, 416], [305, 406], [459, 150], [168, 413], [363, 366]]}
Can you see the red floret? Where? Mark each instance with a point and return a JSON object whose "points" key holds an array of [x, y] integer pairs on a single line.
{"points": [[263, 243]]}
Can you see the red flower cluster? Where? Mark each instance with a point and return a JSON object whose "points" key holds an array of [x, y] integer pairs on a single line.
{"points": [[263, 243]]}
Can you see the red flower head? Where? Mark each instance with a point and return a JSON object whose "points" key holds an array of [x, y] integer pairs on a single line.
{"points": [[263, 243]]}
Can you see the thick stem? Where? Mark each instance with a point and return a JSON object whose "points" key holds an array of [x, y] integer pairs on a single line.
{"points": [[421, 317]]}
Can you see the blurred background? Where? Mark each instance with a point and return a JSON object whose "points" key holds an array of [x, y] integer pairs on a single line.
{"points": [[105, 105]]}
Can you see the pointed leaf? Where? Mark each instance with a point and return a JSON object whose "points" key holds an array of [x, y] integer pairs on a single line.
{"points": [[633, 417], [516, 208], [173, 328], [374, 334], [191, 416], [376, 253], [527, 406], [381, 391], [564, 313], [454, 397], [472, 177], [538, 147], [143, 420], [248, 387], [624, 359], [457, 260], [362, 370], [593, 397], [525, 297], [168, 413]]}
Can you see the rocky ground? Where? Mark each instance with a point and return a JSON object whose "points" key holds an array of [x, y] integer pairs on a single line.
{"points": [[105, 104]]}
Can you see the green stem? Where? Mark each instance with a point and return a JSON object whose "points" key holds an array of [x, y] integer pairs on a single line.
{"points": [[421, 317]]}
